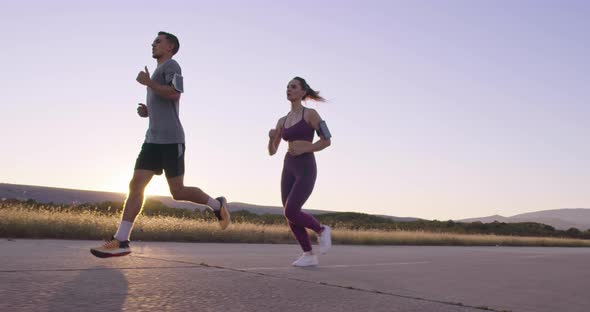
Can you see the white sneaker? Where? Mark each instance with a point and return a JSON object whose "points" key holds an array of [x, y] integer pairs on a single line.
{"points": [[325, 240], [306, 260]]}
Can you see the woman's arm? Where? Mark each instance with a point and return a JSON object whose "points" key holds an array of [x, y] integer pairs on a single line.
{"points": [[274, 138]]}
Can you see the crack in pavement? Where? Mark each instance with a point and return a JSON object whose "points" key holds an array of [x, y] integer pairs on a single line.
{"points": [[202, 264], [188, 265]]}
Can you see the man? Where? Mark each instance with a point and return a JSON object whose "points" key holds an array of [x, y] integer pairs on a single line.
{"points": [[163, 149]]}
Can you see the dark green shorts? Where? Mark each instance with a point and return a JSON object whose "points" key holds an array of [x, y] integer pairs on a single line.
{"points": [[162, 157]]}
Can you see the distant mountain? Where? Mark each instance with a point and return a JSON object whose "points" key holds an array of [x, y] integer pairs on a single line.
{"points": [[402, 219], [489, 219], [561, 219], [43, 194]]}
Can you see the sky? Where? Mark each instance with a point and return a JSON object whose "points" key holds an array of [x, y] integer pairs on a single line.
{"points": [[438, 109]]}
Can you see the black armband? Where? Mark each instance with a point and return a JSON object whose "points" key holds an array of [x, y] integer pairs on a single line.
{"points": [[177, 83], [323, 131]]}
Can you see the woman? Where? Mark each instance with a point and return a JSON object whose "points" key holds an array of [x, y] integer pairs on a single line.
{"points": [[299, 169]]}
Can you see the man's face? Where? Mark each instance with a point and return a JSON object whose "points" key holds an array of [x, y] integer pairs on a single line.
{"points": [[161, 47]]}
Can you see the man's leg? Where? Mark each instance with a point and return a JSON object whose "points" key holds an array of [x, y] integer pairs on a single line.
{"points": [[140, 180], [194, 194], [119, 244], [134, 200], [187, 193]]}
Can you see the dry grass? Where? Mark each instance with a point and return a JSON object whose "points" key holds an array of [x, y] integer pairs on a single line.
{"points": [[449, 239], [20, 222]]}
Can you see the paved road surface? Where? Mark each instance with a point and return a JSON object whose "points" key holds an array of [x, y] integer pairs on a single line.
{"points": [[61, 275]]}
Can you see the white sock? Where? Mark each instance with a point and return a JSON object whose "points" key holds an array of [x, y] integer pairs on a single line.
{"points": [[213, 203], [124, 231]]}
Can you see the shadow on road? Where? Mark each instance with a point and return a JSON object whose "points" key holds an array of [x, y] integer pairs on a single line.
{"points": [[97, 288]]}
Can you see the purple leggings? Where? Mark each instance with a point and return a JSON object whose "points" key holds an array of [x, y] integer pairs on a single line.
{"points": [[297, 181]]}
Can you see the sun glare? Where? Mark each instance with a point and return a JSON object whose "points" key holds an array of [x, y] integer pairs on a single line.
{"points": [[158, 186], [120, 184]]}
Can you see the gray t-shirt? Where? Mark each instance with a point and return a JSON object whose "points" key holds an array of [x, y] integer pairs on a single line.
{"points": [[165, 126]]}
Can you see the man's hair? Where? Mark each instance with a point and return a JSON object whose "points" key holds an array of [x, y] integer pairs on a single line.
{"points": [[172, 39]]}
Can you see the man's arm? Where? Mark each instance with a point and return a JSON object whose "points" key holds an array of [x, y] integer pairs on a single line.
{"points": [[165, 91], [142, 110]]}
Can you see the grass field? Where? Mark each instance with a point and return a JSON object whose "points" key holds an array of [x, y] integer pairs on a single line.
{"points": [[19, 222]]}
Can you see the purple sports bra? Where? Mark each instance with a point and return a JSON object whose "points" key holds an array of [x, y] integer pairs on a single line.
{"points": [[300, 131]]}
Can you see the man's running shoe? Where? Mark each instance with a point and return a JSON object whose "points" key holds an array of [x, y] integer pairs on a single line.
{"points": [[111, 248], [222, 214]]}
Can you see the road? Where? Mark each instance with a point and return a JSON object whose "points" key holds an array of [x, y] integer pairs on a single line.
{"points": [[61, 275]]}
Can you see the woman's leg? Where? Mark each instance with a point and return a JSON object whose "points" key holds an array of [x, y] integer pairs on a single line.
{"points": [[300, 191]]}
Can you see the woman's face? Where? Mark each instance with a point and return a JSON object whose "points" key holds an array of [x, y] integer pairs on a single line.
{"points": [[294, 91]]}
